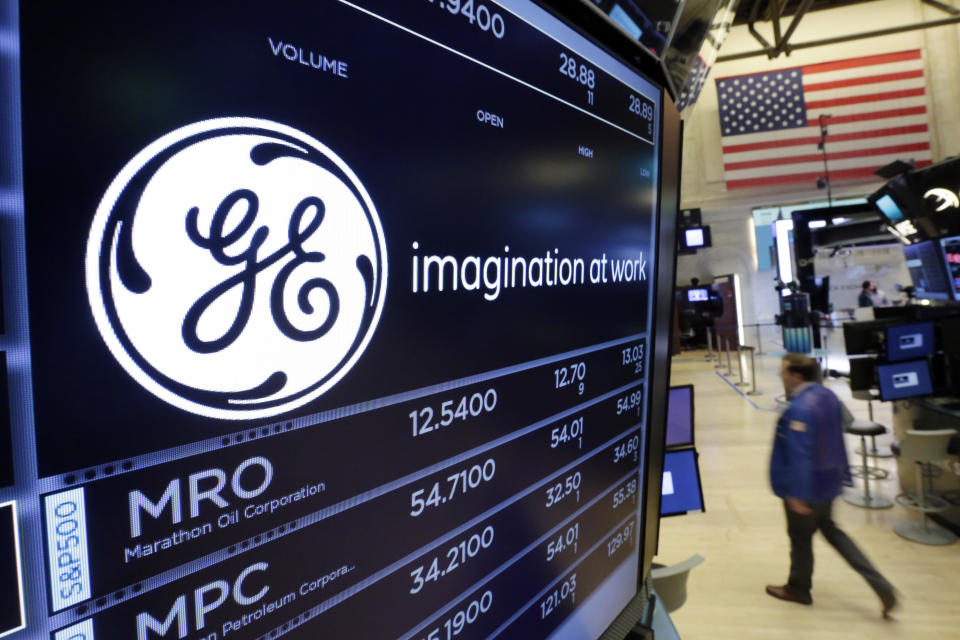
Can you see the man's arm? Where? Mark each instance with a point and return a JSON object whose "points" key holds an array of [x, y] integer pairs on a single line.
{"points": [[801, 442]]}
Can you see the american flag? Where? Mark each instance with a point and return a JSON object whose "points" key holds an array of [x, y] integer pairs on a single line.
{"points": [[877, 114]]}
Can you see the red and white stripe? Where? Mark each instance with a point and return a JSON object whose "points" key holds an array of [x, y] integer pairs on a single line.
{"points": [[878, 110]]}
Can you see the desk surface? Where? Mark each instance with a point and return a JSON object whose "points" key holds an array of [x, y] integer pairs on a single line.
{"points": [[947, 405]]}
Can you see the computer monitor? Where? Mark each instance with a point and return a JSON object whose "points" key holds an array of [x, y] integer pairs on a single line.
{"points": [[863, 338], [898, 204], [263, 384], [890, 209], [862, 373], [680, 416], [909, 341], [681, 490], [696, 237], [949, 334], [951, 259], [926, 265], [698, 295], [904, 380]]}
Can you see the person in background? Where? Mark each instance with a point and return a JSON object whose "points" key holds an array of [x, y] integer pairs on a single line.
{"points": [[808, 468], [878, 297], [865, 299]]}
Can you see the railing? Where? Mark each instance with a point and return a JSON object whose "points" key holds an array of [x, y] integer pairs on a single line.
{"points": [[725, 346]]}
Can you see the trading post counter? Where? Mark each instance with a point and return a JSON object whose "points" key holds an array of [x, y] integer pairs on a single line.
{"points": [[929, 413]]}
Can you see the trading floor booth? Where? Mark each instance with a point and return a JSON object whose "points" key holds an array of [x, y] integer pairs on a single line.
{"points": [[910, 355], [331, 319]]}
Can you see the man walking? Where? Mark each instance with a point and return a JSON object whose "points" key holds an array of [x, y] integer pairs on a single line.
{"points": [[808, 469]]}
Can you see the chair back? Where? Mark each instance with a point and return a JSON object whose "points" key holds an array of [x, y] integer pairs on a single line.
{"points": [[670, 583], [924, 446]]}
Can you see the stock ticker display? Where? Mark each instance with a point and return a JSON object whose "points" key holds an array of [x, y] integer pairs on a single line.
{"points": [[332, 320]]}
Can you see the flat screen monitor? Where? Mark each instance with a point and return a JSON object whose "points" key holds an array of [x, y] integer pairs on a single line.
{"points": [[909, 341], [680, 416], [696, 237], [890, 209], [698, 295], [951, 259], [681, 489], [902, 208], [862, 374], [928, 271], [949, 334], [904, 380], [314, 337], [863, 338]]}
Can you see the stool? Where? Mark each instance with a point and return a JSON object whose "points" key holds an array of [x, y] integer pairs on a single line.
{"points": [[864, 428], [874, 451], [923, 447]]}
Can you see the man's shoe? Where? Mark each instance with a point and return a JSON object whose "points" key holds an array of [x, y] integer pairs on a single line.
{"points": [[889, 603], [789, 594]]}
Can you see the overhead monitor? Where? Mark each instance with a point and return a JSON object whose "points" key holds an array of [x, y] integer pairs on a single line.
{"points": [[951, 257], [680, 417], [909, 341], [681, 489], [930, 276], [698, 295], [890, 209], [904, 380], [696, 237], [332, 319]]}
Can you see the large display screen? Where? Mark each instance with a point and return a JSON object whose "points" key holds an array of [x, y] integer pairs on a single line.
{"points": [[682, 489], [925, 264], [327, 319], [951, 257]]}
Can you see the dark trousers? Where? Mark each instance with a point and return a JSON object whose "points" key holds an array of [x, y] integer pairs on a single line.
{"points": [[801, 528]]}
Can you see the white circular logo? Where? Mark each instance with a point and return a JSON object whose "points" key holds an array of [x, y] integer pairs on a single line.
{"points": [[236, 268]]}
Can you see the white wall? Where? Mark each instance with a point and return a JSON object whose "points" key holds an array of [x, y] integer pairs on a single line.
{"points": [[884, 265], [733, 251]]}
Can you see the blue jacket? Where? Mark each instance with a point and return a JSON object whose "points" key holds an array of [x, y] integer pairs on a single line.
{"points": [[809, 459]]}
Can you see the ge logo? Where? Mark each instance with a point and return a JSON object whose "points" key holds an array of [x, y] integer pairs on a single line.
{"points": [[236, 268]]}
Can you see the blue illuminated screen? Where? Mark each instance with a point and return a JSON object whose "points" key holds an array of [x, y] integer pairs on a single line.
{"points": [[694, 237], [681, 491], [904, 380], [680, 416], [909, 341], [890, 209]]}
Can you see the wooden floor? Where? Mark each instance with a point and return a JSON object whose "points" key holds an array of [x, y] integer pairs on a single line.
{"points": [[743, 536]]}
